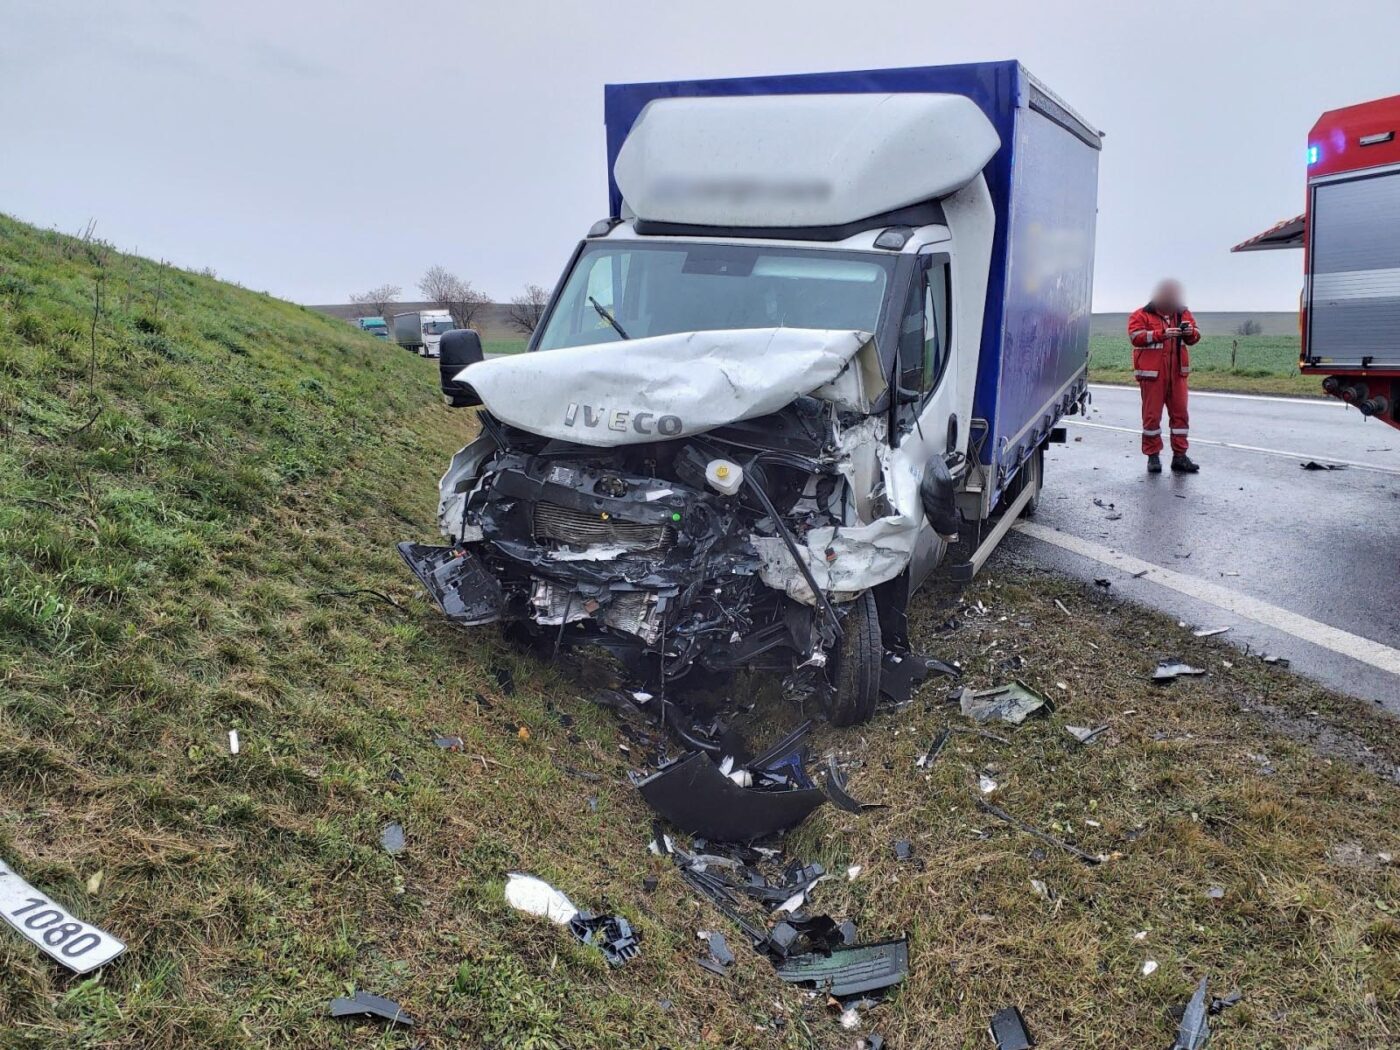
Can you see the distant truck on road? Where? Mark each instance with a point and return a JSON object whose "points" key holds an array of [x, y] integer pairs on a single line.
{"points": [[421, 330], [1349, 313], [816, 350]]}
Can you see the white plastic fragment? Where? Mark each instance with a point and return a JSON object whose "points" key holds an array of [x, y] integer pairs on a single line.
{"points": [[529, 894], [850, 1020], [1149, 967], [1141, 935], [233, 741], [1209, 632], [986, 784], [853, 873]]}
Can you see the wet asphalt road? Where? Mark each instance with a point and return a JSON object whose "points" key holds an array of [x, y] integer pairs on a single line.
{"points": [[1299, 564]]}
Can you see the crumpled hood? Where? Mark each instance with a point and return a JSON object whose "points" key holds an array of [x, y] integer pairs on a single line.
{"points": [[666, 386]]}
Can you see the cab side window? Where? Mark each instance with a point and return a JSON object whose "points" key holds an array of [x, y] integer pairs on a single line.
{"points": [[923, 332], [936, 310]]}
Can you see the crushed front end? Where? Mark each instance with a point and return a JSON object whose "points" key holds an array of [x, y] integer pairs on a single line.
{"points": [[653, 550]]}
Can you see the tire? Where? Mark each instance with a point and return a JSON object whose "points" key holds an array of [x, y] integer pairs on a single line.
{"points": [[853, 668]]}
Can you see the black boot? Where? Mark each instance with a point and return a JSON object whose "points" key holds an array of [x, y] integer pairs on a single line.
{"points": [[1182, 464], [1154, 464]]}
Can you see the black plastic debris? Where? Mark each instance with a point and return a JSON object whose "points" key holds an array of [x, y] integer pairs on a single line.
{"points": [[1103, 581], [1171, 670], [1312, 464], [392, 838], [1008, 1030], [697, 797], [649, 883], [1044, 836], [362, 1004], [901, 674], [934, 749], [850, 970], [835, 788], [1276, 661], [1012, 704], [903, 850], [720, 958], [505, 678], [611, 934], [457, 581], [1194, 1031]]}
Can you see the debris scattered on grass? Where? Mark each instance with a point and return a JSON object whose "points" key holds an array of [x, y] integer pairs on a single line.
{"points": [[1008, 1030], [903, 850], [610, 934], [1209, 632], [362, 1004], [1149, 967], [1061, 606], [927, 759], [530, 894], [1216, 893], [694, 795], [1012, 704], [233, 741], [1044, 836], [450, 743], [392, 838], [1276, 661], [1171, 670], [901, 674], [1194, 1029], [1084, 734], [986, 784], [36, 918], [852, 970], [94, 882], [835, 789]]}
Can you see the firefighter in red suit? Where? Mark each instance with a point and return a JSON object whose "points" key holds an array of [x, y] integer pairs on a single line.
{"points": [[1160, 333]]}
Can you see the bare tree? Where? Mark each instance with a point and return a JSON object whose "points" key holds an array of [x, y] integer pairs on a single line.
{"points": [[1248, 327], [527, 310], [378, 299], [439, 285]]}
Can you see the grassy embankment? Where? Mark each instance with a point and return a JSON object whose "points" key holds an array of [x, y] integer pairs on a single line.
{"points": [[196, 529], [1264, 364]]}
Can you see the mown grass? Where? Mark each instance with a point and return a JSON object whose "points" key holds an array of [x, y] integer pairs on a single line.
{"points": [[1264, 364], [191, 538]]}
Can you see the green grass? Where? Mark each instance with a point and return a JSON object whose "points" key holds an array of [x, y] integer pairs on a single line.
{"points": [[190, 533], [504, 346], [1264, 364]]}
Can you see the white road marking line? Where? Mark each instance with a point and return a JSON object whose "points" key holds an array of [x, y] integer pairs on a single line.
{"points": [[1305, 401], [1301, 627], [1301, 457]]}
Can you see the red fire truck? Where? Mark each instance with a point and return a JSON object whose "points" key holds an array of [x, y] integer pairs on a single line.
{"points": [[1349, 315]]}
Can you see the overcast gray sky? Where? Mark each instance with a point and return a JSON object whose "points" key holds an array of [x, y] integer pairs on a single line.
{"points": [[317, 147]]}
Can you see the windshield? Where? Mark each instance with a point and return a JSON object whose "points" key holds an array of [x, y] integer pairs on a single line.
{"points": [[659, 289], [437, 327]]}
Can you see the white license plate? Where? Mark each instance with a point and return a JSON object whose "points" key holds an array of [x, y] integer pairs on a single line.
{"points": [[47, 925]]}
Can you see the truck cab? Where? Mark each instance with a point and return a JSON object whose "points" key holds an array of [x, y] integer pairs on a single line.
{"points": [[422, 330], [824, 335]]}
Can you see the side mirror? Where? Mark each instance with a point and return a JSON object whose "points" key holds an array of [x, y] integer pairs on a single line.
{"points": [[459, 348], [938, 495]]}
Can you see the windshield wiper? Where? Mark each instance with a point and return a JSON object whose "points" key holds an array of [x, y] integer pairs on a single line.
{"points": [[603, 313]]}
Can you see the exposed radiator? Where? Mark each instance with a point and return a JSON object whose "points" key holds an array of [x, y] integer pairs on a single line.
{"points": [[582, 529]]}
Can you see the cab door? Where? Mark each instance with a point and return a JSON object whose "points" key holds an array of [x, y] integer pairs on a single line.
{"points": [[927, 421]]}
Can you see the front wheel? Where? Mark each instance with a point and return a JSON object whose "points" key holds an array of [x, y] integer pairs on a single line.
{"points": [[853, 669]]}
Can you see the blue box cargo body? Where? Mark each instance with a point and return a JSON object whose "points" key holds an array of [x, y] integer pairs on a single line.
{"points": [[1044, 187]]}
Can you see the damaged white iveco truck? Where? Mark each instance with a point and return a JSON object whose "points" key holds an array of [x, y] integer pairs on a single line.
{"points": [[816, 352]]}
